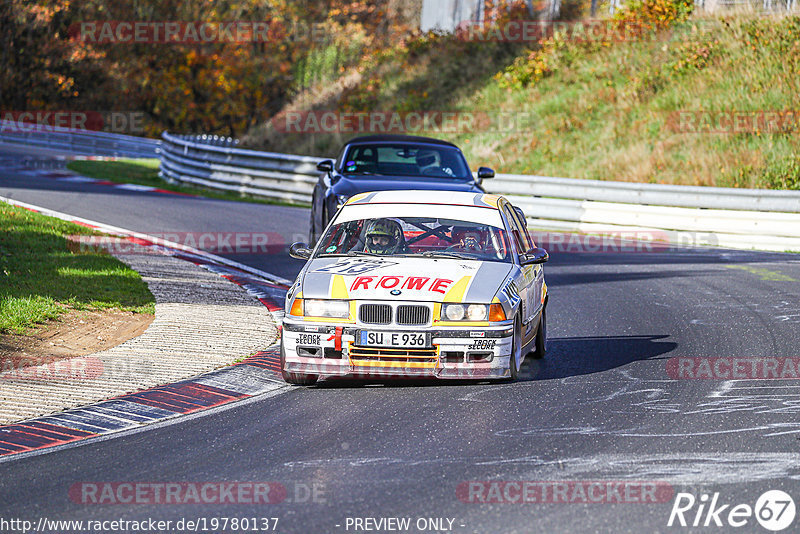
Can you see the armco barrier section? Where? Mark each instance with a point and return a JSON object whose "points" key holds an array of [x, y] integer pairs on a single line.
{"points": [[77, 141], [735, 218], [276, 176]]}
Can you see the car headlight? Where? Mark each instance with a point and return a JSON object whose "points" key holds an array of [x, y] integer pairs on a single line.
{"points": [[477, 312], [473, 312], [453, 312], [465, 312], [334, 309]]}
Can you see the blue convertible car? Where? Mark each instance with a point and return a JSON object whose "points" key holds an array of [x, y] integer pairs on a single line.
{"points": [[389, 162]]}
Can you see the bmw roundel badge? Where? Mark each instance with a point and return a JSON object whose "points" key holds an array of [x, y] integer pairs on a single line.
{"points": [[395, 292]]}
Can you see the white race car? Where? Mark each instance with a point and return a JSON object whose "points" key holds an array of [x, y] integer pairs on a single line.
{"points": [[417, 283]]}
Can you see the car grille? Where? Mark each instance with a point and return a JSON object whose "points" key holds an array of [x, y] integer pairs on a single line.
{"points": [[413, 315], [375, 314], [390, 357]]}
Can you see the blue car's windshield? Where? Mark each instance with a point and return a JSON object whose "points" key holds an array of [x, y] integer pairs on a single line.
{"points": [[404, 159]]}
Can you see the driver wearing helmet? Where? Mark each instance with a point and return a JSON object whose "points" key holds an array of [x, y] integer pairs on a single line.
{"points": [[429, 161], [471, 241], [384, 237], [467, 239]]}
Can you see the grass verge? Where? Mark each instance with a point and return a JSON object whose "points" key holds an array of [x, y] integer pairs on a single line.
{"points": [[42, 278], [601, 108], [145, 172]]}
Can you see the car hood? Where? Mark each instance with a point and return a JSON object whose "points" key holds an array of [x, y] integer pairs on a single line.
{"points": [[350, 186], [406, 279]]}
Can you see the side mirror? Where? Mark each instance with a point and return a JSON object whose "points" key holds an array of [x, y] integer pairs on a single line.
{"points": [[325, 165], [300, 251], [485, 173], [535, 256]]}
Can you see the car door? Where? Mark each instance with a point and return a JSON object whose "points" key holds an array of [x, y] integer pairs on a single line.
{"points": [[531, 276], [538, 286]]}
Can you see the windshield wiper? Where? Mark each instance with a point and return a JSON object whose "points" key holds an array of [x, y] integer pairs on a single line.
{"points": [[356, 253], [364, 173], [351, 254], [446, 254]]}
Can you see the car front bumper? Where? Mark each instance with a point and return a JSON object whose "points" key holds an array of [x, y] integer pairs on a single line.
{"points": [[469, 352]]}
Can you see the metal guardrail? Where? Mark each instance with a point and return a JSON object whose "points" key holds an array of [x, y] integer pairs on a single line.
{"points": [[738, 218], [86, 142], [186, 159]]}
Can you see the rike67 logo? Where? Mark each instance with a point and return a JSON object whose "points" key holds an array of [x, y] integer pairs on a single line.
{"points": [[774, 510]]}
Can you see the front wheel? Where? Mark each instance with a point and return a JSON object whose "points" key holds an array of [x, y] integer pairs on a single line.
{"points": [[296, 379], [313, 232], [540, 347], [516, 346]]}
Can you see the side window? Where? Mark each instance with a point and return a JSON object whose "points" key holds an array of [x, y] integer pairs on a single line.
{"points": [[523, 223], [340, 160], [520, 235]]}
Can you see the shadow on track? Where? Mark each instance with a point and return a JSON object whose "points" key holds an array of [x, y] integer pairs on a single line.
{"points": [[575, 356], [566, 357]]}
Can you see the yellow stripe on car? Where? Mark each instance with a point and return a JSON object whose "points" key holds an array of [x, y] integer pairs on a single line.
{"points": [[339, 288], [357, 197], [457, 292], [491, 200]]}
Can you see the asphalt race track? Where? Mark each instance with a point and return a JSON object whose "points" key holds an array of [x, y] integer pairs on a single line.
{"points": [[601, 407]]}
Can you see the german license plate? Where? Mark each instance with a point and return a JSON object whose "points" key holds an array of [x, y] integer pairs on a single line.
{"points": [[394, 339]]}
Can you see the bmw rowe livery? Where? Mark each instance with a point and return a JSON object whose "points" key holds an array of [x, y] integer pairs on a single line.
{"points": [[408, 283]]}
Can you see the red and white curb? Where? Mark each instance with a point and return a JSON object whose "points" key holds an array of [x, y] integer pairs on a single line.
{"points": [[254, 376], [70, 177]]}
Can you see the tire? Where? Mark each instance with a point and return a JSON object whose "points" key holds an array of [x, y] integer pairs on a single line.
{"points": [[323, 220], [313, 232], [516, 346], [296, 379], [540, 346]]}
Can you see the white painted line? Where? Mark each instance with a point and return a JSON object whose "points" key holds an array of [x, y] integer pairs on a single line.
{"points": [[77, 179], [135, 187]]}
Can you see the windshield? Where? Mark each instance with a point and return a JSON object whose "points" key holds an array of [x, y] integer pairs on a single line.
{"points": [[417, 237], [405, 159]]}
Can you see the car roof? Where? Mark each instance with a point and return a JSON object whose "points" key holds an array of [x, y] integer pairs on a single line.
{"points": [[398, 138], [449, 198]]}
